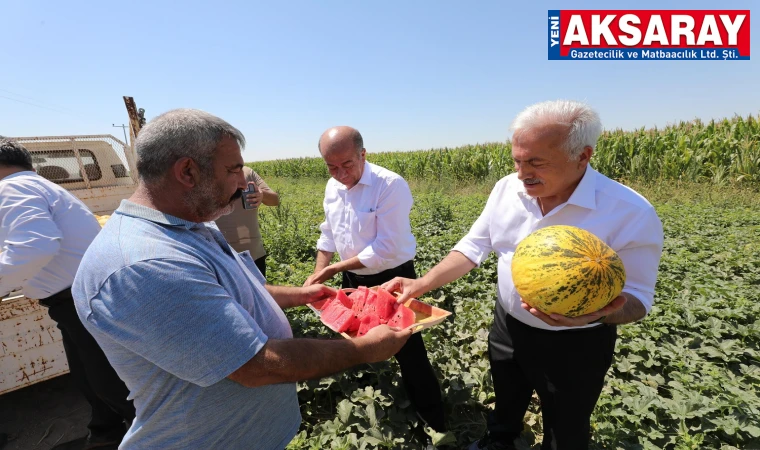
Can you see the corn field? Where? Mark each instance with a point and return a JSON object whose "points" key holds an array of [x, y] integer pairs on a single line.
{"points": [[719, 152]]}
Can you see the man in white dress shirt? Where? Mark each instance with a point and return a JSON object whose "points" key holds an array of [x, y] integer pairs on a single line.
{"points": [[367, 223], [563, 359], [44, 231]]}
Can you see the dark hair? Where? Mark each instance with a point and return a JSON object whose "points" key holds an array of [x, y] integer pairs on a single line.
{"points": [[13, 154], [358, 141]]}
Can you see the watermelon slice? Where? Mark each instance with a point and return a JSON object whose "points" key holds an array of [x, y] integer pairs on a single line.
{"points": [[346, 322], [385, 305], [361, 291], [354, 324], [343, 298], [402, 318], [337, 317], [368, 322], [363, 310], [358, 298], [370, 304], [318, 305], [331, 310]]}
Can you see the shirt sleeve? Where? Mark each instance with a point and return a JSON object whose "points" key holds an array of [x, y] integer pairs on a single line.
{"points": [[640, 253], [184, 322], [260, 183], [393, 226], [476, 244], [326, 242], [32, 238]]}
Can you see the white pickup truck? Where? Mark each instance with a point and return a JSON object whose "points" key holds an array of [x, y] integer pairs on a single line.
{"points": [[99, 170]]}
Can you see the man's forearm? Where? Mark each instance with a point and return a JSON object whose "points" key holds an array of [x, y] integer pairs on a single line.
{"points": [[292, 360], [287, 296], [631, 311], [323, 260], [454, 266], [270, 198], [348, 264]]}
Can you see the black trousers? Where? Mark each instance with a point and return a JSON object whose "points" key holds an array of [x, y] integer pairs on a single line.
{"points": [[261, 264], [417, 374], [91, 371], [565, 368]]}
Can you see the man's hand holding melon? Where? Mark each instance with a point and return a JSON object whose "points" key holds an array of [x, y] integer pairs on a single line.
{"points": [[568, 277]]}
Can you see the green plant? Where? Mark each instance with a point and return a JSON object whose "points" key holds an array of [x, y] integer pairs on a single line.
{"points": [[687, 376]]}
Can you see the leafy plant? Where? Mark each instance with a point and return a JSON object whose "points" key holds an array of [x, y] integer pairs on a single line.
{"points": [[687, 376], [720, 152]]}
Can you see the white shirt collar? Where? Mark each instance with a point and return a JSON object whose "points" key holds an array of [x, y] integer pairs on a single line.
{"points": [[19, 174], [584, 194], [366, 178]]}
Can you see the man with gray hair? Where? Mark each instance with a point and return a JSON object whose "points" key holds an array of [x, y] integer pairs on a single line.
{"points": [[563, 359], [192, 326]]}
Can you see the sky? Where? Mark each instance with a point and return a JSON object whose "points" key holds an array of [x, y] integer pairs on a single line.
{"points": [[409, 75]]}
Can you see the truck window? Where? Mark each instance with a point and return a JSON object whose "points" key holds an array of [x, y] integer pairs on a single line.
{"points": [[119, 171], [60, 166]]}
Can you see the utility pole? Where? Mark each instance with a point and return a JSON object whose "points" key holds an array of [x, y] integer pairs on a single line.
{"points": [[136, 121], [124, 129], [136, 117]]}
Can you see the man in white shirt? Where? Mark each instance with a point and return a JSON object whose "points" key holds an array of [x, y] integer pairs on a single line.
{"points": [[44, 231], [367, 223], [563, 359]]}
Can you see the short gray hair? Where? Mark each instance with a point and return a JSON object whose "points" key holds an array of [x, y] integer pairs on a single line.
{"points": [[584, 123], [177, 134]]}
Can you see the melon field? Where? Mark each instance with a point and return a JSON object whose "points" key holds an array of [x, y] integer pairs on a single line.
{"points": [[686, 377]]}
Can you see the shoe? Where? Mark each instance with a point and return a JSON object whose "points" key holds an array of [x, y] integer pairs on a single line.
{"points": [[488, 442], [93, 441]]}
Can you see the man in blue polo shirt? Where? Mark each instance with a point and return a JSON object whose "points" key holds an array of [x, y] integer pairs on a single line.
{"points": [[188, 323]]}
